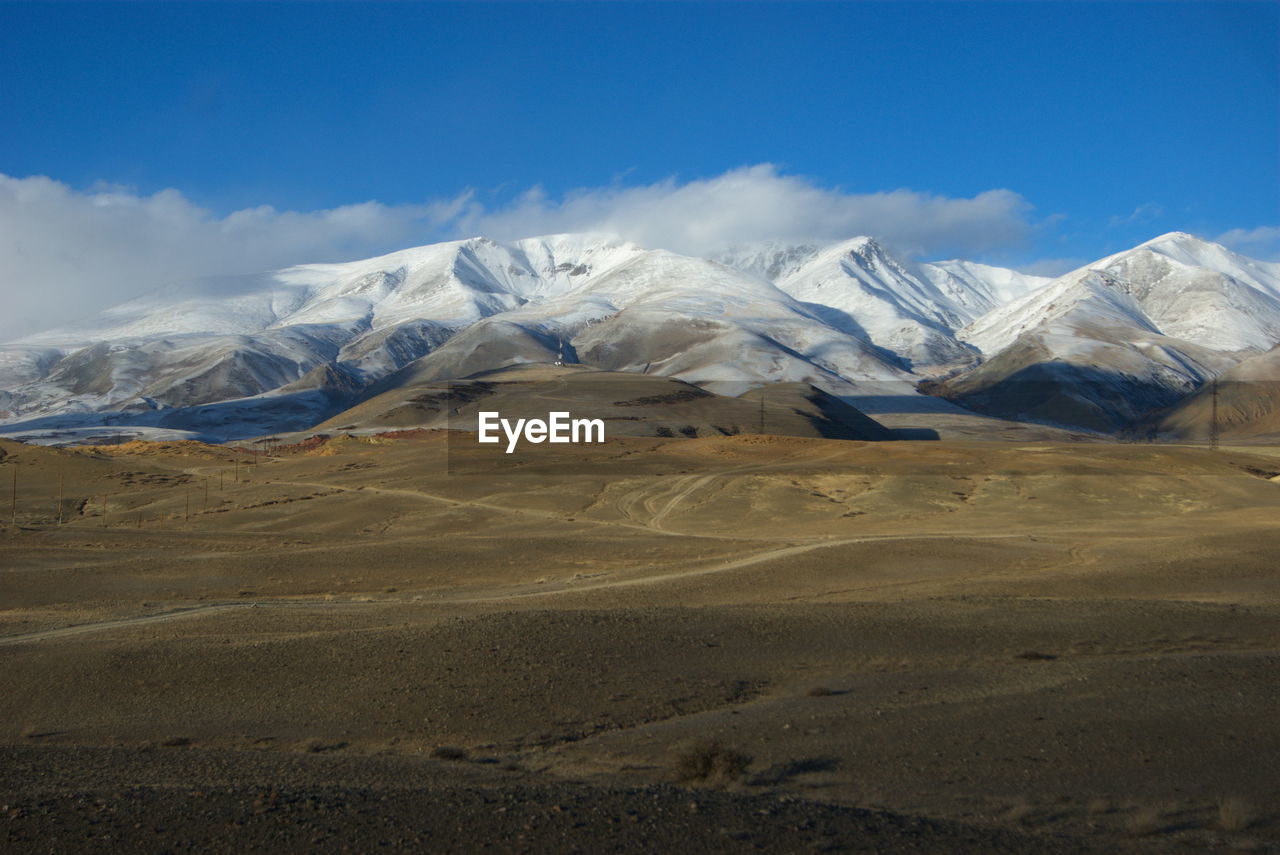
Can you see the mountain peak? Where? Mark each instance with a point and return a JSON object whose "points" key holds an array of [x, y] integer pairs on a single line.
{"points": [[1177, 238], [863, 244], [835, 313]]}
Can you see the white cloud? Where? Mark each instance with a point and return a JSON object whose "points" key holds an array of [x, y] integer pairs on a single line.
{"points": [[1262, 242], [65, 253], [758, 203], [1144, 213]]}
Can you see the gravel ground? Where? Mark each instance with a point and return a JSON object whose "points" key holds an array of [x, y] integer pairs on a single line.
{"points": [[424, 807]]}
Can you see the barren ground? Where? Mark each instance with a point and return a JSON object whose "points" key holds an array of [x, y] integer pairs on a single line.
{"points": [[896, 647]]}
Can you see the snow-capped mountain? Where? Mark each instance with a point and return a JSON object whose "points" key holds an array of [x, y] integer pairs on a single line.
{"points": [[990, 286], [859, 287], [1133, 332], [1177, 284], [668, 314], [246, 355], [291, 341]]}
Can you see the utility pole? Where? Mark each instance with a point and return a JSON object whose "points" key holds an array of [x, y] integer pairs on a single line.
{"points": [[206, 494], [1213, 419], [60, 477], [15, 493], [188, 495], [761, 412]]}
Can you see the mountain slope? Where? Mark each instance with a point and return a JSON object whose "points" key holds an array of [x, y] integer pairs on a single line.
{"points": [[1248, 403], [629, 404], [445, 310], [910, 310], [1101, 346]]}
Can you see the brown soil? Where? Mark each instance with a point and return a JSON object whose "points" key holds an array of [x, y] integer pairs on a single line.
{"points": [[416, 644]]}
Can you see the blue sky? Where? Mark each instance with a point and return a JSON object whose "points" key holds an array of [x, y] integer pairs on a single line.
{"points": [[1105, 123]]}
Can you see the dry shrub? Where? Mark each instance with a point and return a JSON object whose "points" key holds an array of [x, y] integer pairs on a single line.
{"points": [[1021, 813], [1235, 815], [1145, 821], [1098, 807], [709, 761], [321, 746], [449, 752]]}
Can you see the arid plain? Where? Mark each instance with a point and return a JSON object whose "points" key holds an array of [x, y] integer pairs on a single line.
{"points": [[732, 643]]}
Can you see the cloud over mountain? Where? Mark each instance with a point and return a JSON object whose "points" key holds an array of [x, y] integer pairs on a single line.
{"points": [[1261, 242], [66, 253], [753, 203]]}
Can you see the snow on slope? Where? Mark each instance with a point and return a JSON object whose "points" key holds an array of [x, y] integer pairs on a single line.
{"points": [[1084, 298], [869, 293], [1202, 293], [908, 309], [240, 336], [731, 331], [244, 337], [453, 283], [1176, 284], [292, 344], [981, 286], [768, 260], [1132, 332]]}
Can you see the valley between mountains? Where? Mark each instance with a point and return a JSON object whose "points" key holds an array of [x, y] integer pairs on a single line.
{"points": [[656, 644]]}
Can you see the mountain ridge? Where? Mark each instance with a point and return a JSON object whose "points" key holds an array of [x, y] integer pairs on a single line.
{"points": [[1150, 324]]}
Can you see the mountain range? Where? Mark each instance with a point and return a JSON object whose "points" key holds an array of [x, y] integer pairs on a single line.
{"points": [[1113, 346]]}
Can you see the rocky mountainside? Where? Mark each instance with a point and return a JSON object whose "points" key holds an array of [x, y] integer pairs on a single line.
{"points": [[1100, 347], [1135, 332], [1248, 403]]}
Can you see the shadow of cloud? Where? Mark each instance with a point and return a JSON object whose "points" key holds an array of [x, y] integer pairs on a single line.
{"points": [[916, 434]]}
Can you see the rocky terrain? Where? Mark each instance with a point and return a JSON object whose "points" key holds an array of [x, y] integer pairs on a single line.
{"points": [[723, 642], [1107, 348]]}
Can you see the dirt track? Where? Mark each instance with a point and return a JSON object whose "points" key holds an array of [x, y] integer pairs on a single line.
{"points": [[1000, 647]]}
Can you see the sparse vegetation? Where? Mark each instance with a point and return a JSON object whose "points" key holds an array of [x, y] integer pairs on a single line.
{"points": [[1036, 656], [320, 746], [450, 752], [1145, 821], [1235, 815], [680, 396], [1098, 807], [750, 631], [1021, 812], [709, 761]]}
